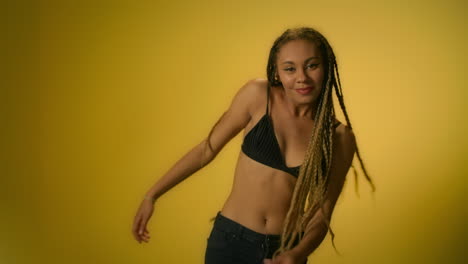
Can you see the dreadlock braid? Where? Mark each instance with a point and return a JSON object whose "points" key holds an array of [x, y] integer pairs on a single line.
{"points": [[339, 94], [313, 180]]}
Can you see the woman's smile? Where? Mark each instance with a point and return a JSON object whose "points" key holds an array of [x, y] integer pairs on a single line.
{"points": [[304, 91]]}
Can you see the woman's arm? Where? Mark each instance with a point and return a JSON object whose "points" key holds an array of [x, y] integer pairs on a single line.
{"points": [[182, 169], [228, 126]]}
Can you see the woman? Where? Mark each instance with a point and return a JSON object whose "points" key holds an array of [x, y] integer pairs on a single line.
{"points": [[293, 160]]}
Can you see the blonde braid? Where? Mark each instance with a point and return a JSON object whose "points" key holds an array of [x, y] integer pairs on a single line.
{"points": [[313, 179]]}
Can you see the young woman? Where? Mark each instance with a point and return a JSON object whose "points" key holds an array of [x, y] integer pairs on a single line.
{"points": [[293, 161]]}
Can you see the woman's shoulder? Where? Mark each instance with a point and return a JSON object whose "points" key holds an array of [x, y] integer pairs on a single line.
{"points": [[255, 91], [344, 133], [257, 85]]}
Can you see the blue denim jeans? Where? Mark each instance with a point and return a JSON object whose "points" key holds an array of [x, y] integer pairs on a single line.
{"points": [[232, 243]]}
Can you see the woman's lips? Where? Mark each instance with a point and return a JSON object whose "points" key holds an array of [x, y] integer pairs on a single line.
{"points": [[304, 90]]}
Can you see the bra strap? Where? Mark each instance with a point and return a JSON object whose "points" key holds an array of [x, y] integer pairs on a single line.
{"points": [[268, 97]]}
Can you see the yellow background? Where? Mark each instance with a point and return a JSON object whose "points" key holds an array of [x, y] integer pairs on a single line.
{"points": [[100, 99]]}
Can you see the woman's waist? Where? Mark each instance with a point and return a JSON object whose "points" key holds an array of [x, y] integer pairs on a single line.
{"points": [[262, 217]]}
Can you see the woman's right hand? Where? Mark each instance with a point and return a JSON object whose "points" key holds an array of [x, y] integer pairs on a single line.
{"points": [[144, 213]]}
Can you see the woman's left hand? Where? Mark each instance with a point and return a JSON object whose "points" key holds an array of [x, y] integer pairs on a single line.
{"points": [[287, 257]]}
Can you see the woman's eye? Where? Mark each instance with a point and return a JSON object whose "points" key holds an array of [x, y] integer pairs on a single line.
{"points": [[310, 66]]}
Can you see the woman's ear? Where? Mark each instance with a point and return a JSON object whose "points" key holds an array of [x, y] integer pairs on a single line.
{"points": [[277, 79]]}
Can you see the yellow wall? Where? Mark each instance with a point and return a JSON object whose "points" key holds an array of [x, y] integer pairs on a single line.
{"points": [[102, 98]]}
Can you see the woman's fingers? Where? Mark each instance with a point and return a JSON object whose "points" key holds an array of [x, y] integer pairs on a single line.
{"points": [[267, 261], [139, 229], [136, 227], [142, 226], [145, 236], [143, 233]]}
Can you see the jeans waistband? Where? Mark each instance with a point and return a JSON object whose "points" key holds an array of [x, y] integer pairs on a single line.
{"points": [[229, 225]]}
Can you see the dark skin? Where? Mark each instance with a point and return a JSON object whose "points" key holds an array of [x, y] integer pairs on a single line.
{"points": [[261, 195]]}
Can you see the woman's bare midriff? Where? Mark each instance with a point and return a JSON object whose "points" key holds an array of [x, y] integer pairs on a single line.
{"points": [[260, 196]]}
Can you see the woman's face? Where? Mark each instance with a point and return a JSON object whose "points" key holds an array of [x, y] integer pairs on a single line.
{"points": [[300, 66]]}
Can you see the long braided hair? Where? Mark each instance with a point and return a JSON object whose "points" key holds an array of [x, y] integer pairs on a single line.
{"points": [[312, 183]]}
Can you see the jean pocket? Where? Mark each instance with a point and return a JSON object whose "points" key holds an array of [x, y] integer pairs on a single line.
{"points": [[220, 239]]}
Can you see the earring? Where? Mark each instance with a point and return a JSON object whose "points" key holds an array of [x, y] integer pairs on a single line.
{"points": [[277, 79]]}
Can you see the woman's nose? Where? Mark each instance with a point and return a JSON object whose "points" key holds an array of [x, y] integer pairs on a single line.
{"points": [[301, 75]]}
